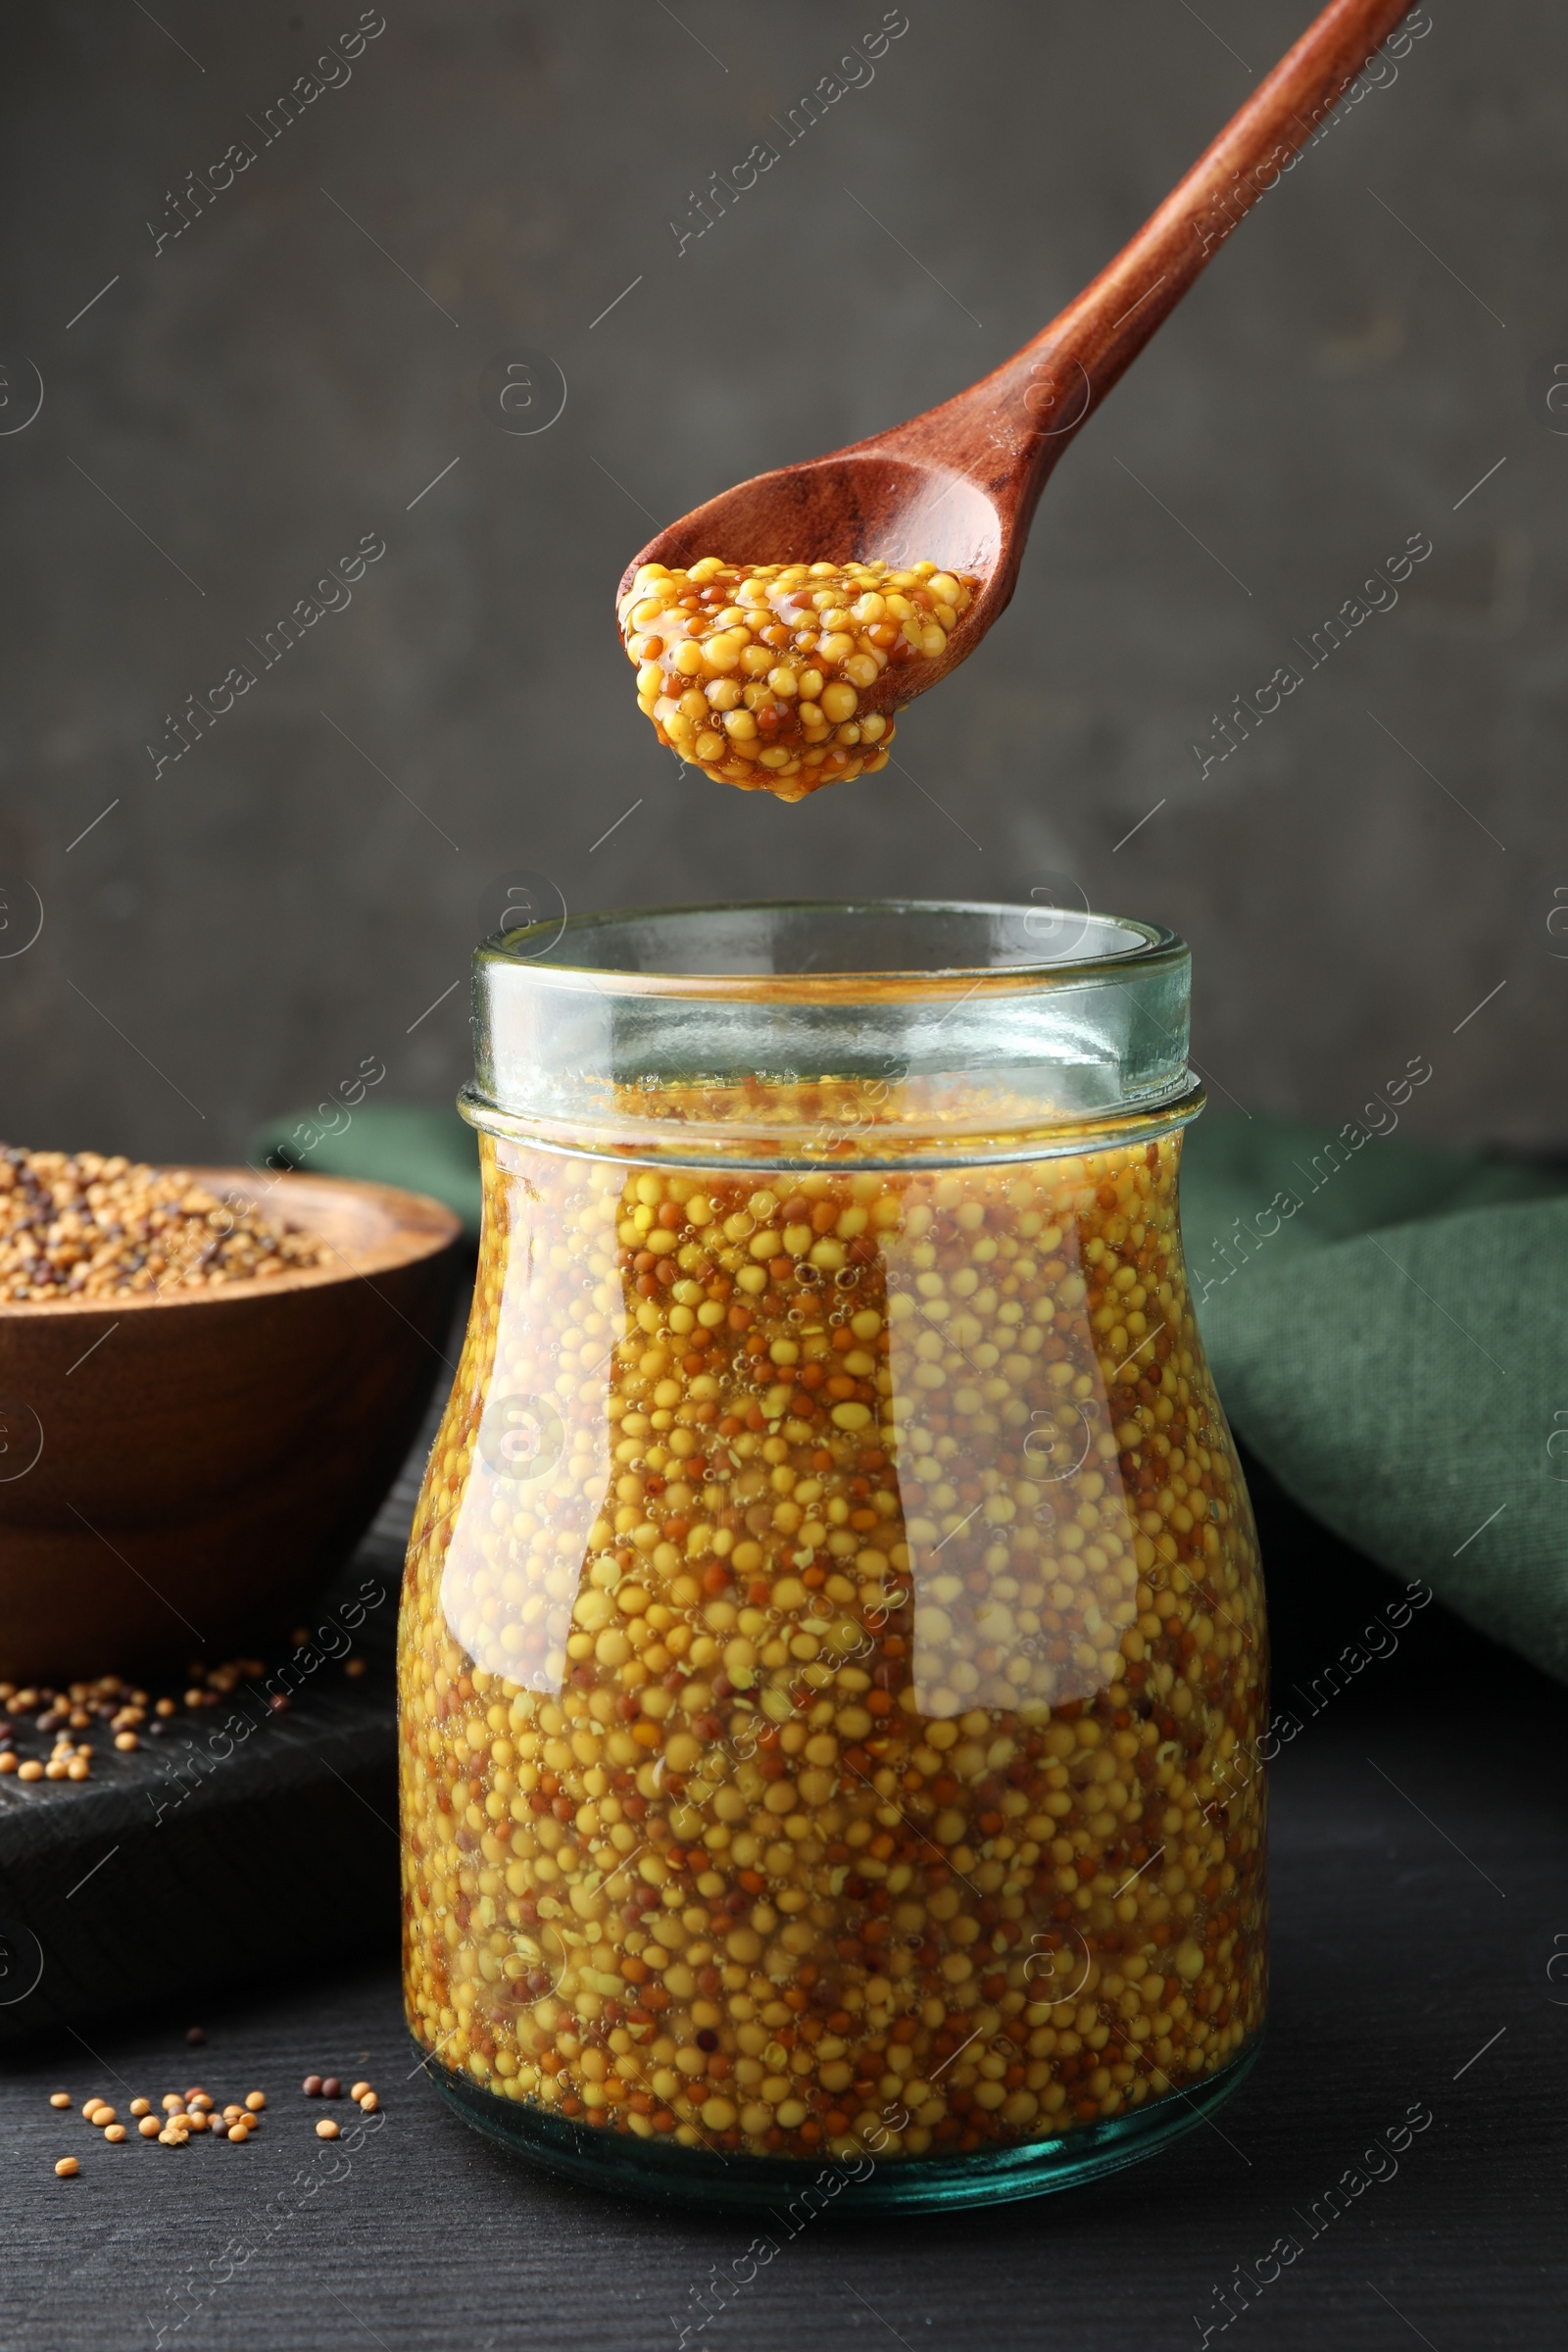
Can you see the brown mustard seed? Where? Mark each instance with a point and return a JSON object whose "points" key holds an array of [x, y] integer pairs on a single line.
{"points": [[312, 2086], [67, 2169], [331, 2088], [326, 2129]]}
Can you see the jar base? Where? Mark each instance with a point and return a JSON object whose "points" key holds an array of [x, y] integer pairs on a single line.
{"points": [[662, 2174]]}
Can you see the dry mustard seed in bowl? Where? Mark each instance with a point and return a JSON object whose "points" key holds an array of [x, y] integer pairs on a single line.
{"points": [[82, 1226], [757, 672], [832, 1652]]}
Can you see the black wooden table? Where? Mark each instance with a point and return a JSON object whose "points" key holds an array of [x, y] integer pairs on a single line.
{"points": [[1420, 1891]]}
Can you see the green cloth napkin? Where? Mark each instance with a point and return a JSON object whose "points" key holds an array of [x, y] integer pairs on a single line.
{"points": [[425, 1151], [1382, 1326], [1381, 1319]]}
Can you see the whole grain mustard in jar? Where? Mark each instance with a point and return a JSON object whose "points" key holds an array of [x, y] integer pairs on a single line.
{"points": [[833, 1656]]}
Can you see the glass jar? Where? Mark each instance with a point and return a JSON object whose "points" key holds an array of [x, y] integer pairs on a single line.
{"points": [[832, 1649]]}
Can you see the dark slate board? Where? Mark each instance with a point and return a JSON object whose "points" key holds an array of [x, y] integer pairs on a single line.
{"points": [[1416, 1917], [246, 1844]]}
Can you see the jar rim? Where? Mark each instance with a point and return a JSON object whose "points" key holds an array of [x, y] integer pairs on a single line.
{"points": [[1128, 946]]}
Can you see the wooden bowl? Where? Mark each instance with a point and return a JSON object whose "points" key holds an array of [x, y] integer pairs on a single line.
{"points": [[178, 1474]]}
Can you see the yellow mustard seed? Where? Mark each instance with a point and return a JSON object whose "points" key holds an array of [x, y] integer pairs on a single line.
{"points": [[755, 673], [854, 1702]]}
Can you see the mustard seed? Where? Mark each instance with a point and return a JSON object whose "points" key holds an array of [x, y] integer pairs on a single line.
{"points": [[359, 2091], [255, 2100], [331, 2088], [313, 2087], [149, 2127], [754, 672], [141, 2106], [370, 2103], [67, 2169], [116, 2132], [326, 2129], [84, 1226], [862, 1665], [60, 2098]]}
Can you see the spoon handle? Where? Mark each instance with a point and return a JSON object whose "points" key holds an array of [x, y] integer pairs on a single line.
{"points": [[1047, 390]]}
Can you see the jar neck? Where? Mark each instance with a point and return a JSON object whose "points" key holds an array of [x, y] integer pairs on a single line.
{"points": [[796, 1035]]}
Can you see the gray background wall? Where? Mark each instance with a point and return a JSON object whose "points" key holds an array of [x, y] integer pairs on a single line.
{"points": [[235, 935]]}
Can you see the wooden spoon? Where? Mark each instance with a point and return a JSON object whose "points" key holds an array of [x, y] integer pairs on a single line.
{"points": [[960, 484]]}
